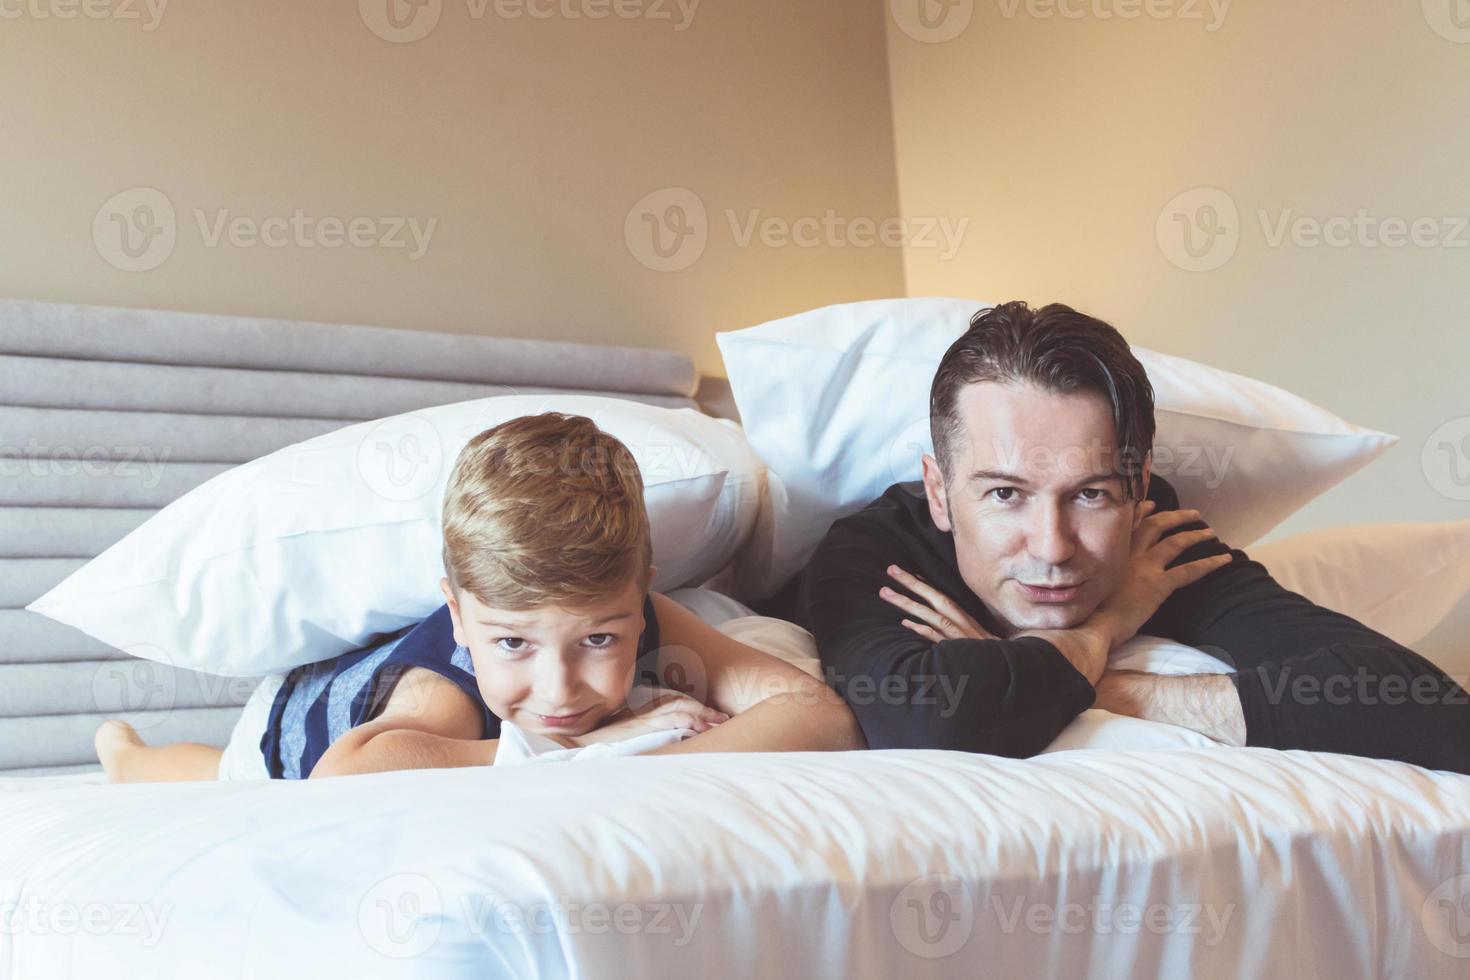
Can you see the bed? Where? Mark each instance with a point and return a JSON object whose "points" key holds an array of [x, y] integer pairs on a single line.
{"points": [[1186, 862]]}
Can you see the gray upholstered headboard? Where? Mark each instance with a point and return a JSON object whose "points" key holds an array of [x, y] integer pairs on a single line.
{"points": [[107, 415]]}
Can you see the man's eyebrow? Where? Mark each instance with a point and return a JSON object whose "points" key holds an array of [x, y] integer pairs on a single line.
{"points": [[521, 626], [1000, 476]]}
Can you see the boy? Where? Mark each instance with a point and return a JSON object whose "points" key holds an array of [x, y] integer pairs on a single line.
{"points": [[548, 623]]}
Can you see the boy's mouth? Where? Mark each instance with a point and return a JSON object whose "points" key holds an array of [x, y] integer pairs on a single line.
{"points": [[560, 721]]}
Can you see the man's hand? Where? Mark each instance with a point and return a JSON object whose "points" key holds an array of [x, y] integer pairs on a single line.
{"points": [[1206, 703], [1147, 582], [1085, 647], [941, 619]]}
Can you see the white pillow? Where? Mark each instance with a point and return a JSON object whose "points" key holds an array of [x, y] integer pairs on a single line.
{"points": [[1399, 579], [836, 402], [310, 551], [1098, 730], [1156, 655]]}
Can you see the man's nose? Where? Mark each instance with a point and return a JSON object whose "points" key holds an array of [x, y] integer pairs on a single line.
{"points": [[1050, 538]]}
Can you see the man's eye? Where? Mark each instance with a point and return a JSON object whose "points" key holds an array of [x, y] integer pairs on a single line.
{"points": [[601, 639], [1004, 495], [1098, 494], [511, 644]]}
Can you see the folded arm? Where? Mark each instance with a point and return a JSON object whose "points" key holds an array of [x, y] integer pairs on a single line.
{"points": [[427, 723], [773, 705], [1311, 678], [998, 696]]}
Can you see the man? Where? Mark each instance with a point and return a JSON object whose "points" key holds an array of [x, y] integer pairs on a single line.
{"points": [[976, 610]]}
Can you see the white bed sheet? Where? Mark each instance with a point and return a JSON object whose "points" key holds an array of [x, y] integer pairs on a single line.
{"points": [[1207, 863]]}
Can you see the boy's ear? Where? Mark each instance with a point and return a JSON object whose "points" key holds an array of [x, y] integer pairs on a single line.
{"points": [[454, 613]]}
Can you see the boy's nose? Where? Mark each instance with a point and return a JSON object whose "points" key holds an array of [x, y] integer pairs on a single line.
{"points": [[554, 681]]}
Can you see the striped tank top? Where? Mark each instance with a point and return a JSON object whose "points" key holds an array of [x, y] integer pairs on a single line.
{"points": [[318, 703]]}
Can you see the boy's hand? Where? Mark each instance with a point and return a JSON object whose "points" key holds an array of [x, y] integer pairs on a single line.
{"points": [[663, 710]]}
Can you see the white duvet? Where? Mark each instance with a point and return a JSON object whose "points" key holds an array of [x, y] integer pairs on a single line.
{"points": [[1169, 864]]}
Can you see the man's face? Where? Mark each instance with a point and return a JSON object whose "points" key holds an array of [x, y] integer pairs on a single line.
{"points": [[552, 670], [1041, 528]]}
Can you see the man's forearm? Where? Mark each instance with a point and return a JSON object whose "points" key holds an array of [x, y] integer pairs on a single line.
{"points": [[1206, 703], [1085, 647], [403, 748]]}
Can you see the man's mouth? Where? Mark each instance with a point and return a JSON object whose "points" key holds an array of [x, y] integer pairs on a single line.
{"points": [[1050, 593]]}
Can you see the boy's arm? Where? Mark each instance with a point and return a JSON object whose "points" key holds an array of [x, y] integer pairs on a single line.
{"points": [[428, 723], [773, 706]]}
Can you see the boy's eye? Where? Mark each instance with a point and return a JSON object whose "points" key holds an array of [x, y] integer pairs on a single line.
{"points": [[511, 644], [601, 639]]}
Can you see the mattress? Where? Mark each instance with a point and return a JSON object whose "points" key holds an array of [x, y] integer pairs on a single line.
{"points": [[1207, 863]]}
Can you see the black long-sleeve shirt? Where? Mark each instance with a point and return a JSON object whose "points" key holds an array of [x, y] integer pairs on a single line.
{"points": [[1011, 697]]}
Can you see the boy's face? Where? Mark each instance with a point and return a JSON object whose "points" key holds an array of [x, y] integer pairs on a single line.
{"points": [[552, 670]]}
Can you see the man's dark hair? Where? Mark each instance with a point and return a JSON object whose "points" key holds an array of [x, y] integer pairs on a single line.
{"points": [[1056, 349]]}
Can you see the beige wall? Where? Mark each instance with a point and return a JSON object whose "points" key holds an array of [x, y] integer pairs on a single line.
{"points": [[527, 140], [1064, 139], [1056, 143]]}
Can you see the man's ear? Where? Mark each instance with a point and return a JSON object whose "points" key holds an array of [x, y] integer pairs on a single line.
{"points": [[454, 613], [934, 490], [1148, 461]]}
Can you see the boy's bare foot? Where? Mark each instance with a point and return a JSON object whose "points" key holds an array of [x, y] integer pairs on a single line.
{"points": [[113, 741]]}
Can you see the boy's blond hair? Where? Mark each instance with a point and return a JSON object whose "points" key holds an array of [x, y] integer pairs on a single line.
{"points": [[545, 509]]}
